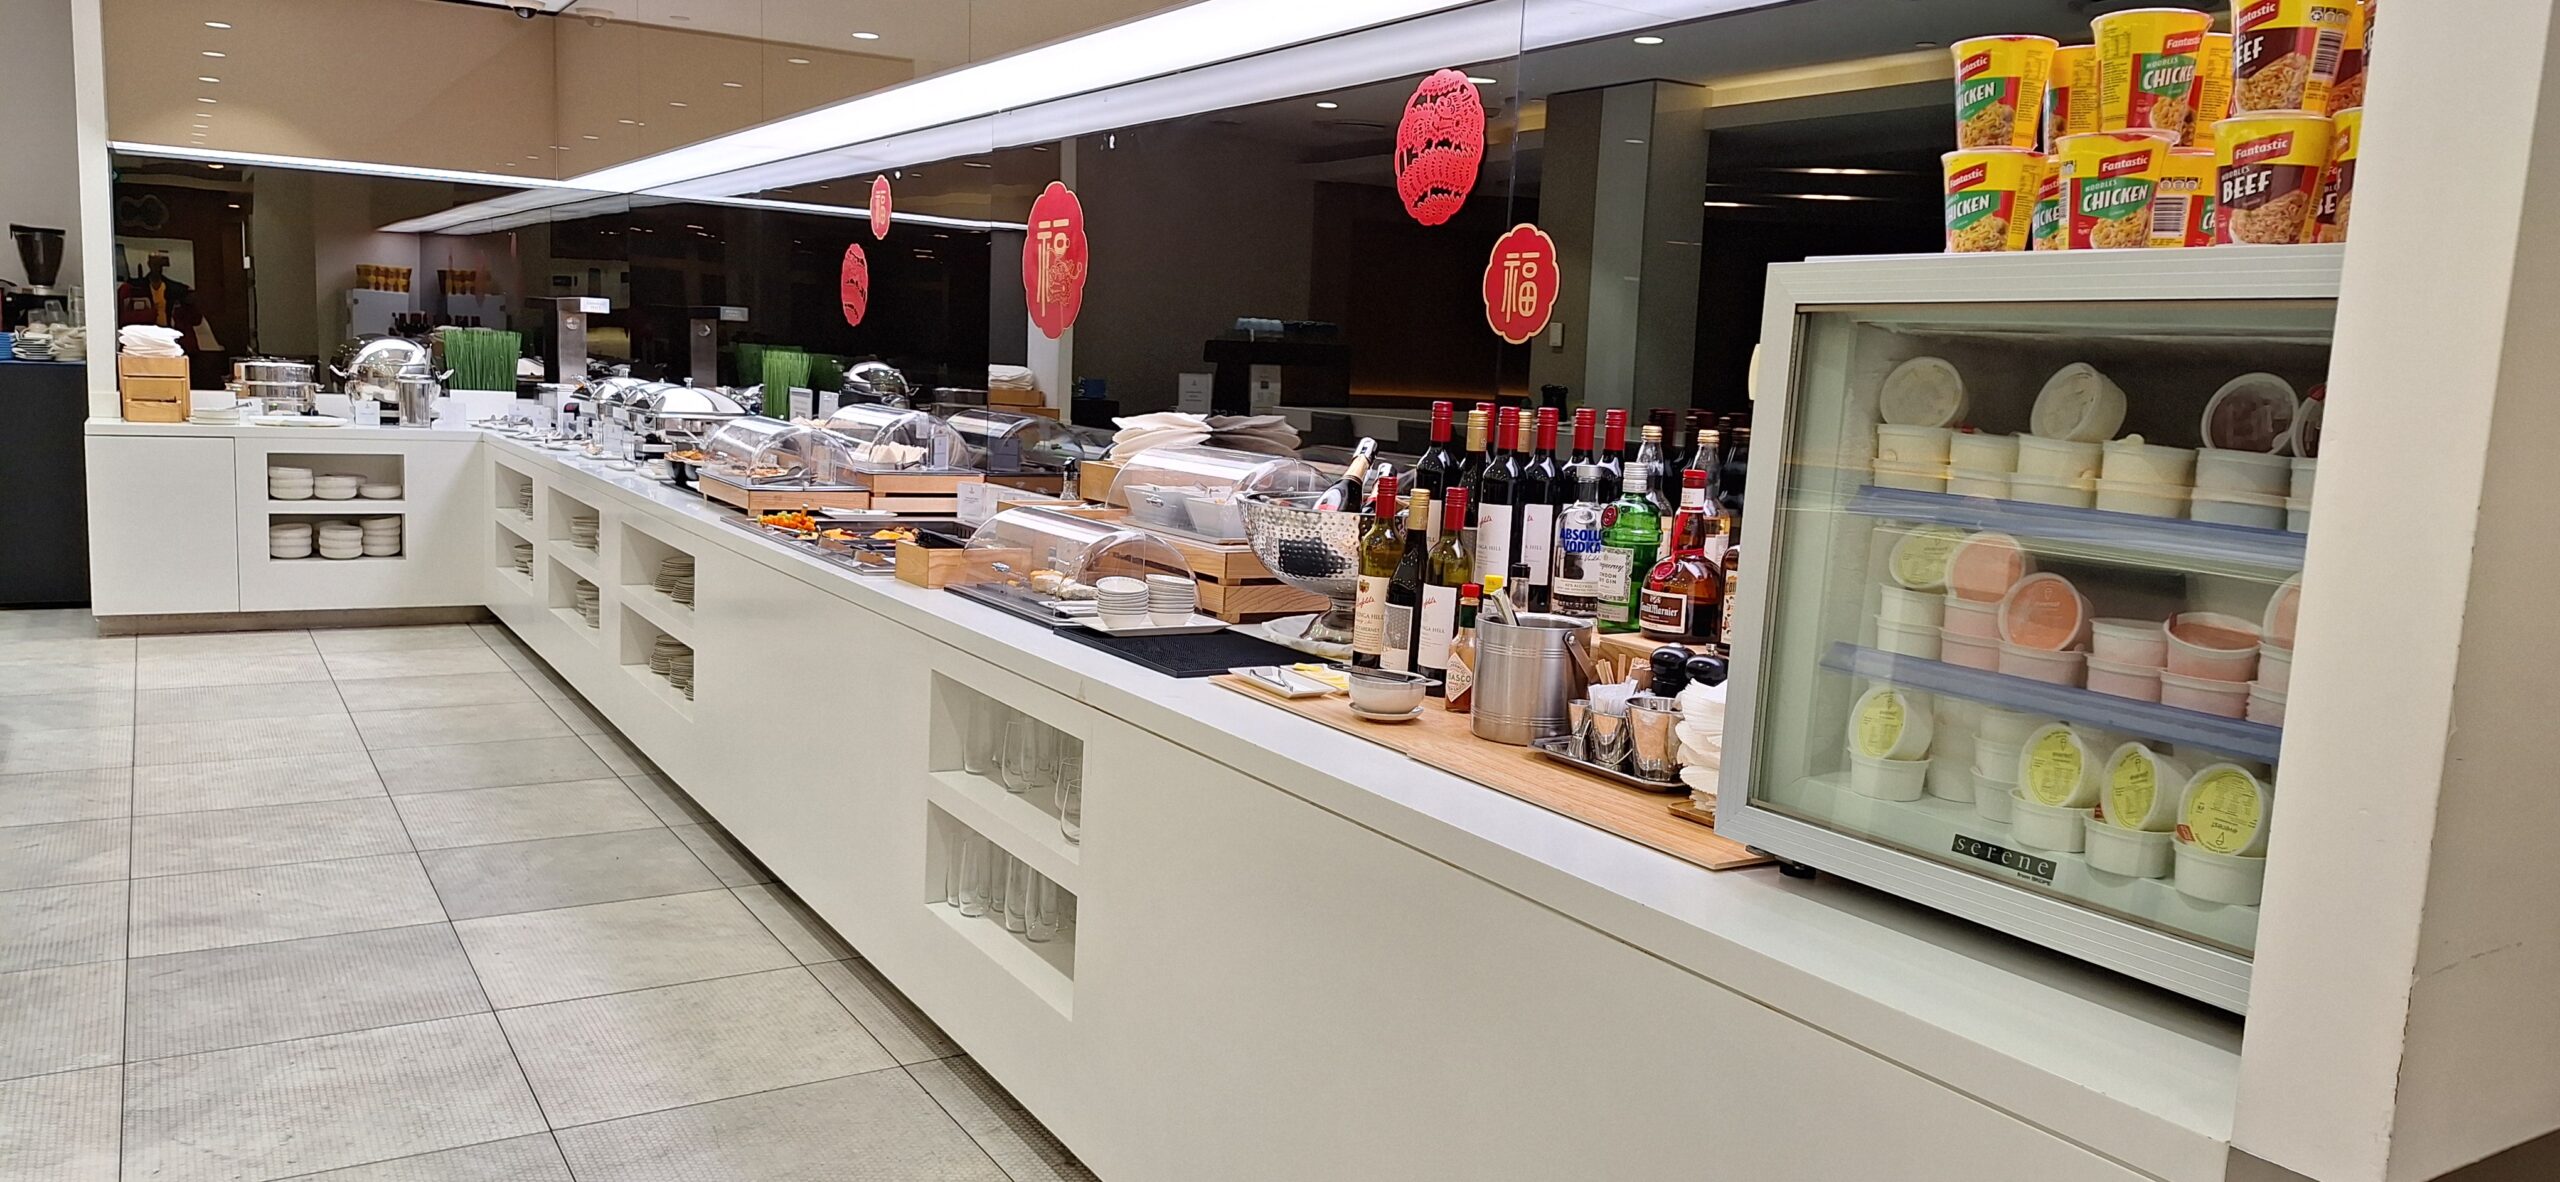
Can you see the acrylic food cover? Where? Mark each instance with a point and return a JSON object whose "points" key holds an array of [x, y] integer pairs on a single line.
{"points": [[1439, 143]]}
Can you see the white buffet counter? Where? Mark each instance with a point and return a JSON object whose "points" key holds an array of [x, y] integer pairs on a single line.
{"points": [[1299, 956]]}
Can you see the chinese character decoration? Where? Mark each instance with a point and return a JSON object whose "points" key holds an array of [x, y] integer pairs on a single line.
{"points": [[1520, 283], [1053, 260], [853, 284], [879, 207], [1439, 143]]}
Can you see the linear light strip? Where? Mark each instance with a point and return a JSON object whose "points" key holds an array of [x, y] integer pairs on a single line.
{"points": [[406, 171], [494, 221]]}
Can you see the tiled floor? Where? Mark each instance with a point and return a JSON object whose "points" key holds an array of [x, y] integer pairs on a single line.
{"points": [[391, 905]]}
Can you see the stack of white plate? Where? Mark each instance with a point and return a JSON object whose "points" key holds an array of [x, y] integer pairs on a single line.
{"points": [[336, 486], [341, 539], [1120, 599], [215, 409], [1172, 598], [381, 535], [584, 600], [523, 554], [670, 659], [582, 532], [524, 498], [289, 484], [675, 579], [289, 539], [379, 491]]}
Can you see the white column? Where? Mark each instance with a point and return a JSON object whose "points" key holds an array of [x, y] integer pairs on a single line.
{"points": [[1626, 167], [94, 266], [2403, 1021]]}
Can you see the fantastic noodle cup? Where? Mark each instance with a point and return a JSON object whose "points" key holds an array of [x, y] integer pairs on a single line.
{"points": [[2045, 230], [2071, 94], [2338, 185], [2213, 88], [1991, 194], [2284, 53], [2182, 205], [2271, 164], [2000, 89], [2148, 75], [2348, 88], [2107, 182]]}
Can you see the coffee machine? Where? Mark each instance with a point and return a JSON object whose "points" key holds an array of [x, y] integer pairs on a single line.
{"points": [[40, 250]]}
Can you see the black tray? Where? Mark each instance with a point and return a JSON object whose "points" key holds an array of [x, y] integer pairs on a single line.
{"points": [[1200, 655]]}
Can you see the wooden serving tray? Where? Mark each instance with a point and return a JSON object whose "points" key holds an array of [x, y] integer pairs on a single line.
{"points": [[1445, 741]]}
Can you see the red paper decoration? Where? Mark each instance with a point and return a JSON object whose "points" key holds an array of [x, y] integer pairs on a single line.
{"points": [[853, 284], [879, 207], [1439, 143], [1053, 260], [1521, 280]]}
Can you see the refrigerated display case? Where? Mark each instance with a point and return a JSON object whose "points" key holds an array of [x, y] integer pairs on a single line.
{"points": [[2017, 605]]}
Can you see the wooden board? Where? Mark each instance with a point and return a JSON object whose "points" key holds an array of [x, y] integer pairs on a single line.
{"points": [[1234, 585], [757, 502], [1444, 740]]}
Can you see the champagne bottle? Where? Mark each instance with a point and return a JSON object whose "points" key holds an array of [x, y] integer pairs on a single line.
{"points": [[1344, 496], [1404, 587], [1379, 550], [1449, 570]]}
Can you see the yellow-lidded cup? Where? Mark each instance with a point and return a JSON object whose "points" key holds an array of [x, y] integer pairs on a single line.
{"points": [[2000, 89], [2284, 53], [2071, 94], [1991, 195], [2270, 166], [2182, 203], [2338, 186], [2213, 88], [2148, 75], [2108, 178], [2347, 90]]}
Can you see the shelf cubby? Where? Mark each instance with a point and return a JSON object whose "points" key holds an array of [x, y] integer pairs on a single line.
{"points": [[641, 554], [512, 498], [563, 600], [637, 638], [1045, 967]]}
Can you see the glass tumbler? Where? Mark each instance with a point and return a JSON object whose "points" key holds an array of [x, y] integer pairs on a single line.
{"points": [[1071, 801], [1047, 913], [1000, 888], [977, 858], [983, 754], [1017, 898], [1021, 752]]}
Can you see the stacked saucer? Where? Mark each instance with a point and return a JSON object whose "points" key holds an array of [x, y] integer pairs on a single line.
{"points": [[1120, 600], [675, 579], [1172, 598], [289, 539], [584, 600], [524, 498], [582, 532], [289, 484], [670, 659], [341, 539], [522, 555], [381, 535], [336, 486], [382, 490]]}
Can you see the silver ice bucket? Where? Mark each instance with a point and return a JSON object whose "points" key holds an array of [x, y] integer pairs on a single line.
{"points": [[1527, 673]]}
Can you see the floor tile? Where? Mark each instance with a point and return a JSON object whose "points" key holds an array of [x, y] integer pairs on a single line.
{"points": [[800, 930], [245, 783], [57, 855], [216, 703], [300, 1107], [185, 912], [484, 816], [580, 717], [722, 853], [544, 683], [445, 726], [286, 643], [902, 1029], [244, 738], [39, 623], [62, 1128], [1021, 1146], [599, 1058], [63, 712], [408, 639], [42, 798], [665, 799], [876, 1126], [487, 765], [62, 1018], [178, 672], [618, 754], [69, 750], [610, 947], [50, 926], [236, 839], [210, 1000], [451, 689], [429, 662], [521, 1159], [69, 650], [562, 872], [19, 678]]}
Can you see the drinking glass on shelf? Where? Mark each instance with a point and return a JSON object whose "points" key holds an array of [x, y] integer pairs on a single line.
{"points": [[1021, 752], [984, 752], [1000, 887], [1017, 898], [1071, 801], [977, 859], [1046, 916]]}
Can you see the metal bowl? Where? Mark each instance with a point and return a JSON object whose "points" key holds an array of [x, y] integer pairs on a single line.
{"points": [[1311, 550]]}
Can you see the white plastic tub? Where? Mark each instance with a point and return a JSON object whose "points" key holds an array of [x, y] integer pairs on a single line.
{"points": [[2275, 666], [1996, 759], [2211, 645], [2060, 765], [1991, 798], [2219, 878], [1991, 455], [2148, 500], [1911, 477], [1891, 723], [2227, 699], [1905, 608], [2070, 492], [2265, 705], [2224, 470], [2143, 789], [2297, 515], [2037, 664], [2129, 642], [2078, 403], [1972, 652], [2057, 459], [1972, 482], [1971, 618], [1888, 779], [2009, 726], [2055, 828], [1918, 642], [1919, 447], [2135, 462], [1950, 779], [2250, 509], [1925, 391], [2134, 853], [2138, 682], [2305, 473]]}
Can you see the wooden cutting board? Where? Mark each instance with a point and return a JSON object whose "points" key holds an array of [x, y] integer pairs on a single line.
{"points": [[1445, 741]]}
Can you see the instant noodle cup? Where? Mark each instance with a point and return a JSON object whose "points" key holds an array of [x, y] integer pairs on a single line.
{"points": [[1991, 193], [2213, 88], [2148, 69], [2044, 232], [2347, 90], [2284, 53], [2071, 94], [2270, 165], [2000, 90], [2107, 181], [2338, 185], [2182, 205]]}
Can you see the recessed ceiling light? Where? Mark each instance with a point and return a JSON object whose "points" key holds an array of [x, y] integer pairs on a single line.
{"points": [[1327, 106], [680, 18], [866, 36], [1924, 45], [628, 122], [207, 78], [533, 157], [216, 25], [559, 147], [676, 104], [207, 100], [733, 85], [1648, 40], [1825, 197], [797, 61], [217, 166], [975, 164], [215, 53], [1635, 141], [1481, 80], [232, 205], [590, 137], [691, 226], [1728, 205]]}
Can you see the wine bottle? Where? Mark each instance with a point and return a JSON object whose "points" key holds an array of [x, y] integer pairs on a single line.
{"points": [[1685, 589], [1705, 451], [1578, 531], [1471, 465], [1650, 454], [1450, 569], [1732, 593], [1585, 422], [1404, 587], [1627, 549], [1344, 496], [1497, 526], [1541, 491], [1378, 554], [1613, 447], [1431, 473], [1462, 651]]}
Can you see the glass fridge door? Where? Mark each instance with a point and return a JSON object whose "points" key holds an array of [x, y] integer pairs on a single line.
{"points": [[2031, 612]]}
